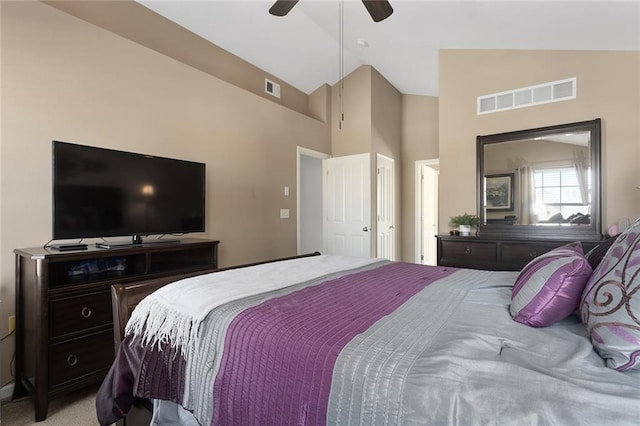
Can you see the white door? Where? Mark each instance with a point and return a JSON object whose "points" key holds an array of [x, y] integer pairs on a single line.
{"points": [[385, 206], [426, 211], [348, 205]]}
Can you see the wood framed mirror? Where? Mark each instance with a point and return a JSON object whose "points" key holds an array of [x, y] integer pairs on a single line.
{"points": [[542, 183]]}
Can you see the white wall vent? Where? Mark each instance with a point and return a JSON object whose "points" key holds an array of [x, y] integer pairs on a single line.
{"points": [[554, 91], [272, 88]]}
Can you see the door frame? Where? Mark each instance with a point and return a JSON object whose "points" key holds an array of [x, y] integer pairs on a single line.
{"points": [[391, 207], [419, 231]]}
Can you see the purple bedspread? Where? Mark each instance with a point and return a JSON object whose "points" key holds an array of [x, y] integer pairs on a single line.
{"points": [[278, 357]]}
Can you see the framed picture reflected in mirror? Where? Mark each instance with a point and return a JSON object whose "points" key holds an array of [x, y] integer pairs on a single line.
{"points": [[499, 191]]}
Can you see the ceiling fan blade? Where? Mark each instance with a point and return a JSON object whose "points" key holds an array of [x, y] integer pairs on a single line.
{"points": [[282, 7], [378, 9]]}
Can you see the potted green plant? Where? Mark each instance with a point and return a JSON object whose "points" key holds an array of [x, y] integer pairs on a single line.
{"points": [[464, 222]]}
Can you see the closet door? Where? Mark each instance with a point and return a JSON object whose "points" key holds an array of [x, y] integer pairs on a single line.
{"points": [[347, 193]]}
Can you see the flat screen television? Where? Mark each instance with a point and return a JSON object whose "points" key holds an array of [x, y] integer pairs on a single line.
{"points": [[100, 192]]}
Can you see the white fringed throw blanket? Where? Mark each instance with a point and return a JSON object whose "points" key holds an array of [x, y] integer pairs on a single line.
{"points": [[185, 304]]}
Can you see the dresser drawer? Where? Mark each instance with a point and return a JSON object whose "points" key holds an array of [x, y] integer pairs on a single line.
{"points": [[495, 253], [79, 357], [471, 251], [80, 313], [523, 253]]}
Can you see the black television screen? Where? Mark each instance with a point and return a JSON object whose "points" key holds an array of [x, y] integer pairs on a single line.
{"points": [[100, 192]]}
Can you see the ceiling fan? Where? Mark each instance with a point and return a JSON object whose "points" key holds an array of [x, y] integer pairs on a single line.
{"points": [[378, 9]]}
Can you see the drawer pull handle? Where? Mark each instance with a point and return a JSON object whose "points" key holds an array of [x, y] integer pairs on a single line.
{"points": [[72, 360], [467, 250], [86, 312]]}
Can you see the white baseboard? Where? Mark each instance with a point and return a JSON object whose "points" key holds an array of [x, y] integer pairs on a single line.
{"points": [[6, 392]]}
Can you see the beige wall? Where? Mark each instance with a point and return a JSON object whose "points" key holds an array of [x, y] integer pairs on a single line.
{"points": [[505, 157], [137, 23], [66, 79], [320, 103], [353, 135], [386, 116], [608, 87], [419, 142]]}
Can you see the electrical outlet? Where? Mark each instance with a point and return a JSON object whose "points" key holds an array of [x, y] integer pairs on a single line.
{"points": [[12, 323]]}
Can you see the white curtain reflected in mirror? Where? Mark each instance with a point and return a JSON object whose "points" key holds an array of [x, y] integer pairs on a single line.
{"points": [[525, 185], [582, 166]]}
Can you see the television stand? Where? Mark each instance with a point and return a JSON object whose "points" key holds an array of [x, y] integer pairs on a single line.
{"points": [[64, 319], [136, 242], [159, 242]]}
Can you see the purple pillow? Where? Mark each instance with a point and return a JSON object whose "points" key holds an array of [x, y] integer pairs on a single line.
{"points": [[610, 306], [549, 288]]}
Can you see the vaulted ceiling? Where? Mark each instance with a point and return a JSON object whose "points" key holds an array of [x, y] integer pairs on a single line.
{"points": [[304, 48]]}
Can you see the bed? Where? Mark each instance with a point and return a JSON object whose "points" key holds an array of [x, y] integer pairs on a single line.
{"points": [[338, 340]]}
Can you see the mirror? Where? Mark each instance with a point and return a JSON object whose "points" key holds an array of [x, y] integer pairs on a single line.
{"points": [[542, 182]]}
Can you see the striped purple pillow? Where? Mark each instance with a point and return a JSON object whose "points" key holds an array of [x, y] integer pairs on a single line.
{"points": [[549, 288]]}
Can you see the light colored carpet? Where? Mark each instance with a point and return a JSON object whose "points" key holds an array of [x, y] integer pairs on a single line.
{"points": [[75, 409]]}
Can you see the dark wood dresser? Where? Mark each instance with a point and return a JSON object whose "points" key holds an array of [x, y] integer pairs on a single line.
{"points": [[64, 331], [496, 254]]}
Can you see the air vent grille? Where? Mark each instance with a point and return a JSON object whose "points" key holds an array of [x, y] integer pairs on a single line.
{"points": [[272, 88], [554, 91]]}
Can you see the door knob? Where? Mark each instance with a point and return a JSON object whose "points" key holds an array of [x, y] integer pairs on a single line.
{"points": [[365, 229]]}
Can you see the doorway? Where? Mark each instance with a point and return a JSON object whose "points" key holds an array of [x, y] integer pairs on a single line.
{"points": [[334, 203], [426, 184], [309, 200]]}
